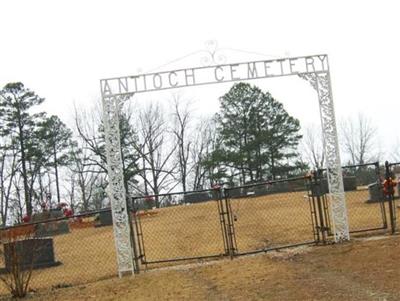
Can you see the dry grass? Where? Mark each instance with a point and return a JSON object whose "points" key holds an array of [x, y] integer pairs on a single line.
{"points": [[355, 271], [363, 215], [87, 254]]}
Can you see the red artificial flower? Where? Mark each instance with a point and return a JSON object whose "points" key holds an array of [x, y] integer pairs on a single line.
{"points": [[26, 218], [68, 212]]}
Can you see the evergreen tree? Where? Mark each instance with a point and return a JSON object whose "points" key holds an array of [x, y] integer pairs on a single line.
{"points": [[18, 122], [37, 161], [57, 140], [258, 137]]}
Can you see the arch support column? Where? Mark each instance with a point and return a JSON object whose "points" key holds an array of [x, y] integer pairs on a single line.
{"points": [[320, 81], [116, 189]]}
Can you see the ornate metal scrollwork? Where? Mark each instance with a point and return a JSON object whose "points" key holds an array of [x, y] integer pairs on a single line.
{"points": [[311, 78], [321, 83], [116, 190], [212, 56]]}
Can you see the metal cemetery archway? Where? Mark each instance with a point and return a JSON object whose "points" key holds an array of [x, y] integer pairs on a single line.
{"points": [[314, 69]]}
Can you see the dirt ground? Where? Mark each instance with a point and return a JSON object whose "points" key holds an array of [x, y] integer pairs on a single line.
{"points": [[363, 269]]}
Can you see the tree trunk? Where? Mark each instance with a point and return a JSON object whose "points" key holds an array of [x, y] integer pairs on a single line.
{"points": [[81, 184], [273, 168], [56, 172], [28, 202], [146, 191], [41, 188], [155, 188]]}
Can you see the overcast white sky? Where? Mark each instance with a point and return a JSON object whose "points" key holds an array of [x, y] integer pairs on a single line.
{"points": [[61, 49]]}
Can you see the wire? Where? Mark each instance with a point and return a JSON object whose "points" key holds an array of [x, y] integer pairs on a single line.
{"points": [[217, 50], [251, 52], [175, 60]]}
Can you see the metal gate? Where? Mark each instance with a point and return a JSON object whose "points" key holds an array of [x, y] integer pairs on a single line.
{"points": [[225, 222], [271, 215], [182, 226]]}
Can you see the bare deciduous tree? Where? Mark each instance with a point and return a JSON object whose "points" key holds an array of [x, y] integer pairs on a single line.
{"points": [[359, 139], [158, 170], [87, 125], [312, 145], [180, 130], [395, 151], [201, 149], [90, 128], [83, 177]]}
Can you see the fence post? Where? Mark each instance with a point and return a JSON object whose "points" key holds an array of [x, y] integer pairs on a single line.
{"points": [[311, 201], [322, 222], [130, 209], [221, 213], [382, 196], [231, 225], [389, 191]]}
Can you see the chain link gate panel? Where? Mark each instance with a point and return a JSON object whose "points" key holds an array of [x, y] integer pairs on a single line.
{"points": [[182, 226], [270, 215]]}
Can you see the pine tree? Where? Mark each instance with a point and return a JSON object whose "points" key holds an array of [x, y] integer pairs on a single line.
{"points": [[257, 135], [18, 122], [57, 140]]}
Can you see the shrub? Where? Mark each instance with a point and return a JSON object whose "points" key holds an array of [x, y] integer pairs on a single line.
{"points": [[19, 258]]}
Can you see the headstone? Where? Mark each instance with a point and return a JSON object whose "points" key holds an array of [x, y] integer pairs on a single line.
{"points": [[279, 187], [149, 202], [38, 252], [320, 188], [104, 218], [50, 228], [375, 193], [136, 203], [297, 186], [198, 197], [349, 183], [250, 193], [260, 190], [236, 192]]}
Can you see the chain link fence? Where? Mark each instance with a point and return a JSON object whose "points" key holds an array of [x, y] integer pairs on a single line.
{"points": [[60, 252], [220, 222]]}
